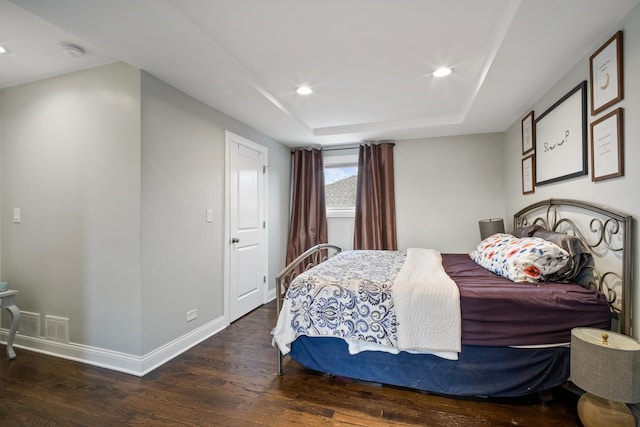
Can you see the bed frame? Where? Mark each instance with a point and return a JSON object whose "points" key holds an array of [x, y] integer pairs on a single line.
{"points": [[607, 233], [306, 260]]}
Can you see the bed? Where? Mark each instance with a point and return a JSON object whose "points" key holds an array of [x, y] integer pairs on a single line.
{"points": [[474, 327]]}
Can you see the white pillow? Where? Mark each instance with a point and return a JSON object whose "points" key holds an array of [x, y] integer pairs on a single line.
{"points": [[525, 259]]}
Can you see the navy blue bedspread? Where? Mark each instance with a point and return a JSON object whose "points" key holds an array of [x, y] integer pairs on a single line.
{"points": [[479, 371]]}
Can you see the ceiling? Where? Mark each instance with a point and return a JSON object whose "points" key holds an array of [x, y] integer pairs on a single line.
{"points": [[369, 62]]}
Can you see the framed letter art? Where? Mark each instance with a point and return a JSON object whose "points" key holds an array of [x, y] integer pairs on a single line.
{"points": [[607, 159], [561, 138], [528, 172], [528, 134], [605, 67]]}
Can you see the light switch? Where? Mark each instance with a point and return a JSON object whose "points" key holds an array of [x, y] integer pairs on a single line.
{"points": [[209, 215], [16, 215]]}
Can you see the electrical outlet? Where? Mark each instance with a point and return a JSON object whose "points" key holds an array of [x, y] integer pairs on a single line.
{"points": [[192, 314]]}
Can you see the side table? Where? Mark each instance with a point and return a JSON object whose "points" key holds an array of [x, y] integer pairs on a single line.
{"points": [[8, 301]]}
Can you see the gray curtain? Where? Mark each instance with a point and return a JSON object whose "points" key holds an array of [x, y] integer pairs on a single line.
{"points": [[308, 225], [375, 222]]}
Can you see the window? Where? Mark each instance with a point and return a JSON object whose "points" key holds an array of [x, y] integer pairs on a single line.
{"points": [[340, 180]]}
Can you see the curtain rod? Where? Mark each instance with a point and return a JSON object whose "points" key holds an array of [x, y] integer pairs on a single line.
{"points": [[325, 149], [353, 147]]}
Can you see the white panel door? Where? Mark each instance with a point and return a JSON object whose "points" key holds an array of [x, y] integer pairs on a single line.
{"points": [[247, 227]]}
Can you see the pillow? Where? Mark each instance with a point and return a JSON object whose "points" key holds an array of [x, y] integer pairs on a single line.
{"points": [[526, 259], [577, 250]]}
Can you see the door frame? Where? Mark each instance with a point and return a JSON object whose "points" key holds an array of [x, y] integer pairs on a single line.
{"points": [[232, 138]]}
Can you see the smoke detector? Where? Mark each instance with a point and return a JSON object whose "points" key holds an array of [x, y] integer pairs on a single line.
{"points": [[72, 50]]}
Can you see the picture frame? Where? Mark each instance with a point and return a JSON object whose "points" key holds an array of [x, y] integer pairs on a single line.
{"points": [[528, 133], [561, 138], [607, 143], [606, 75], [528, 174]]}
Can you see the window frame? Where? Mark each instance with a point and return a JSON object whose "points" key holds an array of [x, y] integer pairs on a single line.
{"points": [[334, 161]]}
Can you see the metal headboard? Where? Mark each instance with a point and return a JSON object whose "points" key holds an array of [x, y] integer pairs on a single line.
{"points": [[607, 233]]}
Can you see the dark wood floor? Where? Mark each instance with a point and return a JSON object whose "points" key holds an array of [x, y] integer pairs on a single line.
{"points": [[230, 380]]}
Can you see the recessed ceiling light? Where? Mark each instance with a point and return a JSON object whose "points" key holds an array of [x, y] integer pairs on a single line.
{"points": [[4, 49], [304, 90], [442, 72]]}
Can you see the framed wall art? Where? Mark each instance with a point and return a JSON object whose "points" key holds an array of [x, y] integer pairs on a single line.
{"points": [[605, 68], [561, 138], [607, 157], [528, 174], [528, 133]]}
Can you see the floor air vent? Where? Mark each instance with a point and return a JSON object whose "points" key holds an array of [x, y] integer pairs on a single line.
{"points": [[29, 324], [57, 328]]}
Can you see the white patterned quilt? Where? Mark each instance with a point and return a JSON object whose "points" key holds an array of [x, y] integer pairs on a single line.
{"points": [[350, 296]]}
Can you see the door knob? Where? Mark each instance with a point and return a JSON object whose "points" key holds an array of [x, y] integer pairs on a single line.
{"points": [[235, 240]]}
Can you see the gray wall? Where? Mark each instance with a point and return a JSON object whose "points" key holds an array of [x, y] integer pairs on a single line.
{"points": [[619, 193], [183, 158], [182, 176], [113, 170], [71, 162], [444, 186]]}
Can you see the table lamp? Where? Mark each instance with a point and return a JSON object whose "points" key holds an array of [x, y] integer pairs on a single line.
{"points": [[606, 365], [489, 227]]}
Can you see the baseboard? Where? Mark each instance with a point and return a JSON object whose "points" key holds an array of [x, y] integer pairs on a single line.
{"points": [[178, 346], [117, 361], [271, 295]]}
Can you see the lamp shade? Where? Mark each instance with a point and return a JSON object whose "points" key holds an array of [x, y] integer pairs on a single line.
{"points": [[606, 364], [489, 227]]}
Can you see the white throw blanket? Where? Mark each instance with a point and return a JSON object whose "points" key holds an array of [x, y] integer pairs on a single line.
{"points": [[427, 303]]}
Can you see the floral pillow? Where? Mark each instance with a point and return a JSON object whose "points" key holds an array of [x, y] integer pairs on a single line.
{"points": [[526, 259]]}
